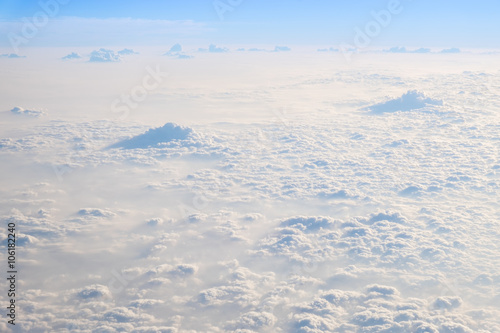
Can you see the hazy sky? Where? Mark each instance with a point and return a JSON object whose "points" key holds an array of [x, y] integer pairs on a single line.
{"points": [[422, 23]]}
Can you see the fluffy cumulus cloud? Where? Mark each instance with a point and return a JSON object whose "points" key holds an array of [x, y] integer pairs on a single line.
{"points": [[281, 49], [27, 112], [127, 52], [212, 48], [409, 101], [155, 137], [106, 55], [451, 50], [397, 49], [72, 55], [176, 52], [11, 55], [93, 292], [330, 49]]}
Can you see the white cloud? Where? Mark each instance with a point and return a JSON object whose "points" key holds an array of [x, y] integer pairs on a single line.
{"points": [[72, 55], [451, 50], [212, 48], [127, 52], [11, 55], [398, 49], [95, 212], [27, 112], [176, 52], [293, 223], [411, 100], [93, 292], [104, 55], [155, 137], [282, 49]]}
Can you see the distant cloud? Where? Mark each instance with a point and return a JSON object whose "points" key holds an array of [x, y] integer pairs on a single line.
{"points": [[422, 50], [104, 55], [281, 48], [398, 49], [176, 48], [451, 50], [256, 49], [31, 113], [72, 55], [127, 52], [411, 100], [214, 49], [11, 55], [331, 49], [176, 52]]}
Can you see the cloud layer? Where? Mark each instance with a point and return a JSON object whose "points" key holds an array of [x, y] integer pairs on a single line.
{"points": [[328, 219]]}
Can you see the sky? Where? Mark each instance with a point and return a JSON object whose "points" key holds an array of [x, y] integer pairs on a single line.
{"points": [[254, 166], [424, 23]]}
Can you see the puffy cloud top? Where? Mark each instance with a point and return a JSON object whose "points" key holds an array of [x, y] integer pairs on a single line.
{"points": [[176, 52], [104, 55], [155, 136], [72, 55], [281, 48], [11, 55], [411, 100], [30, 113]]}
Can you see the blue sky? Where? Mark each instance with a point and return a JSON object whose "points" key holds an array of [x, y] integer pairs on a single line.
{"points": [[422, 23]]}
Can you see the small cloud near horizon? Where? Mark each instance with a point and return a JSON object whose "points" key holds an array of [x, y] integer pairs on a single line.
{"points": [[25, 112], [72, 55], [11, 56], [403, 49], [409, 101], [282, 49], [176, 52], [451, 50], [212, 48], [105, 55]]}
